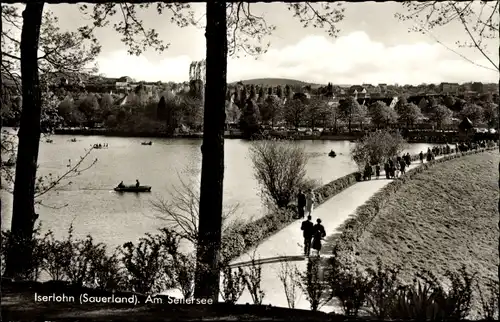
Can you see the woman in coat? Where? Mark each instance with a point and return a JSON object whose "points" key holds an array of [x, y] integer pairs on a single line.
{"points": [[318, 234], [310, 202]]}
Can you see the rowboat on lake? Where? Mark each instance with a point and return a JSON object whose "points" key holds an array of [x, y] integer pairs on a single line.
{"points": [[133, 188]]}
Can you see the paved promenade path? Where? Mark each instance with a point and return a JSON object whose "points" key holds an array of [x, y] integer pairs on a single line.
{"points": [[286, 245]]}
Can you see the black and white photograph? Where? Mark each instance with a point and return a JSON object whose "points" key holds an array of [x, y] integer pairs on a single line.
{"points": [[228, 160]]}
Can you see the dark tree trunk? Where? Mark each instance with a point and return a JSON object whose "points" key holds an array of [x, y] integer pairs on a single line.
{"points": [[212, 168], [23, 212]]}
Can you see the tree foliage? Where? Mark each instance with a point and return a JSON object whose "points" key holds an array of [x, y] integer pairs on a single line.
{"points": [[441, 115], [279, 167], [381, 114], [474, 112], [409, 113], [479, 19], [377, 147]]}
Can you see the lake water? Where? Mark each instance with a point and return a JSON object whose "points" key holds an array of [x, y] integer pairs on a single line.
{"points": [[113, 218]]}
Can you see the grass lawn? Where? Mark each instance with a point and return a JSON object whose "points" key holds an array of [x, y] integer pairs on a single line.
{"points": [[442, 218]]}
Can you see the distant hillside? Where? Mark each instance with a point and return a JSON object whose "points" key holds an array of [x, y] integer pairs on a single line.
{"points": [[276, 82]]}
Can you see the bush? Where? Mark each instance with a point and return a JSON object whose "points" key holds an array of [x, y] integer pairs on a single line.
{"points": [[288, 277], [233, 284], [252, 280], [312, 283], [143, 264], [489, 297], [384, 287], [279, 168], [35, 245], [376, 147]]}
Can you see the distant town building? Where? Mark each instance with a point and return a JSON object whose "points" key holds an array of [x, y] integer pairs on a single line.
{"points": [[448, 87], [383, 87]]}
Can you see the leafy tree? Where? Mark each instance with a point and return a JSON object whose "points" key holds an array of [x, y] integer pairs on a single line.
{"points": [[192, 111], [350, 110], [270, 91], [249, 120], [377, 147], [243, 97], [262, 94], [423, 104], [449, 101], [89, 106], [279, 91], [294, 112], [253, 93], [233, 112], [474, 112], [441, 115], [161, 111], [409, 114], [490, 114], [288, 92], [279, 167], [315, 111], [381, 114], [271, 110]]}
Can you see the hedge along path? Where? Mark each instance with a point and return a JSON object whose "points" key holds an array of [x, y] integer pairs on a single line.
{"points": [[344, 217]]}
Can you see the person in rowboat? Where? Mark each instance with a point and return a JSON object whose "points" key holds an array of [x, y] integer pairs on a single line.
{"points": [[121, 185], [137, 184]]}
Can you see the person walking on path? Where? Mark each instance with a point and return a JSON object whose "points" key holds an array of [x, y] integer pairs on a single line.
{"points": [[387, 169], [402, 165], [310, 202], [308, 232], [301, 203], [421, 156], [318, 234], [377, 170]]}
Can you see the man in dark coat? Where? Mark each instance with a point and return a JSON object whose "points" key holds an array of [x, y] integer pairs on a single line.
{"points": [[308, 229], [301, 203]]}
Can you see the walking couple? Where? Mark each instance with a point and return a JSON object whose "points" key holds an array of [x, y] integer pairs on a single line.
{"points": [[312, 235], [305, 201]]}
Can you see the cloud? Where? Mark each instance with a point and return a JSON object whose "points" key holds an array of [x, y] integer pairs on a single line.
{"points": [[350, 59]]}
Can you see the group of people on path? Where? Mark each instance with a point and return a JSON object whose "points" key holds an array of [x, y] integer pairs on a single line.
{"points": [[313, 233], [393, 167]]}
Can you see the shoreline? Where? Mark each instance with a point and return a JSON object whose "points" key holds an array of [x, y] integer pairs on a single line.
{"points": [[237, 136]]}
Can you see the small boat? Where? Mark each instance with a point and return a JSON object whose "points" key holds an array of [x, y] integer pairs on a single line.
{"points": [[133, 188], [147, 143], [332, 154], [73, 140], [49, 141]]}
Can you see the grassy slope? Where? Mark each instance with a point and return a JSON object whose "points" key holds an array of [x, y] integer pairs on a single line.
{"points": [[442, 218]]}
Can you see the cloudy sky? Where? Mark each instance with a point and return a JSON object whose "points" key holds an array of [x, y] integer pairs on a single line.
{"points": [[372, 47]]}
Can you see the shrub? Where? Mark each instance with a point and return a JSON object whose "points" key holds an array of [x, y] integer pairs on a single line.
{"points": [[279, 168], [233, 284], [252, 279], [81, 253], [488, 298], [384, 287], [347, 283], [415, 302], [288, 277], [376, 147], [34, 245], [313, 284], [143, 264]]}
